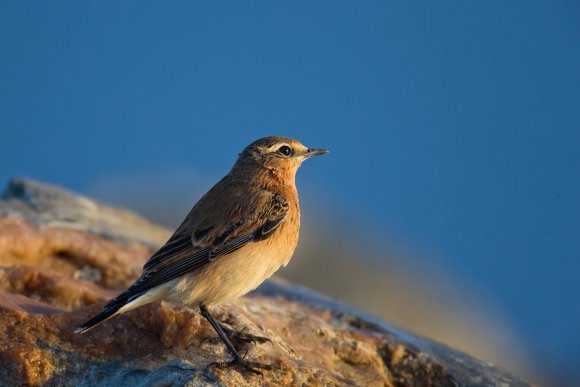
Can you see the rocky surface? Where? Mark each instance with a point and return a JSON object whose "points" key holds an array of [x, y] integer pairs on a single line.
{"points": [[62, 256]]}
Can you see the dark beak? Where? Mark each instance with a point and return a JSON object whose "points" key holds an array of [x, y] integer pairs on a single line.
{"points": [[315, 152]]}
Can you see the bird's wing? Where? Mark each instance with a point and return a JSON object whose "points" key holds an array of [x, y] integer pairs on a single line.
{"points": [[208, 233]]}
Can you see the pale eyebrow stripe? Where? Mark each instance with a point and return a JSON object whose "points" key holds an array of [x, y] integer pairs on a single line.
{"points": [[276, 146]]}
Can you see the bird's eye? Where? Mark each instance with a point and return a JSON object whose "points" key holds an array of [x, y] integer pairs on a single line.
{"points": [[285, 150]]}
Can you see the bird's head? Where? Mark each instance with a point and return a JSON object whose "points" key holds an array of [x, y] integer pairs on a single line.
{"points": [[281, 155]]}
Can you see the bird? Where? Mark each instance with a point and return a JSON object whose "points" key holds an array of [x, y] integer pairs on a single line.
{"points": [[236, 236]]}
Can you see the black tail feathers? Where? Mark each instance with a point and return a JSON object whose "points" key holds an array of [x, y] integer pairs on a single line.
{"points": [[105, 314]]}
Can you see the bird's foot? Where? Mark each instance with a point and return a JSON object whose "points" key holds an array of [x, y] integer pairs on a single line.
{"points": [[250, 366], [238, 338], [244, 337]]}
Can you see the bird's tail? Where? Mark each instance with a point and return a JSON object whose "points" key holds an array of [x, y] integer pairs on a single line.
{"points": [[108, 312], [119, 304], [123, 303]]}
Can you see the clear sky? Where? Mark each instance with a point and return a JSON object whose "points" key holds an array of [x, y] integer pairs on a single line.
{"points": [[455, 123]]}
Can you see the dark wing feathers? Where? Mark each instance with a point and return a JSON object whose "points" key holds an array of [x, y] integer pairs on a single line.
{"points": [[181, 255], [265, 231], [175, 245], [153, 278], [231, 246], [278, 213]]}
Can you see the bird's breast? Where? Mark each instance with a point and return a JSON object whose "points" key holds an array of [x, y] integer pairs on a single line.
{"points": [[243, 270], [286, 237]]}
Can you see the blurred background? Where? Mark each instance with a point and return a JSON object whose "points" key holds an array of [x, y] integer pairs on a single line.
{"points": [[449, 203]]}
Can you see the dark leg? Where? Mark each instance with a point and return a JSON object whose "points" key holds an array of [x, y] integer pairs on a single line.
{"points": [[224, 337], [238, 338]]}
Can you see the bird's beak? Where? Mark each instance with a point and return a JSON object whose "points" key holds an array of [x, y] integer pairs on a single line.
{"points": [[315, 152]]}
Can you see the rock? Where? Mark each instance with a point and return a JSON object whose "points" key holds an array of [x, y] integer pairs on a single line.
{"points": [[62, 256], [47, 205]]}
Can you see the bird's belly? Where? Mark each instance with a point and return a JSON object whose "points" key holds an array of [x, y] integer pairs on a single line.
{"points": [[233, 275]]}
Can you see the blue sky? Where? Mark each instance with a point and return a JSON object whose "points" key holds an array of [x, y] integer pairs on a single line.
{"points": [[454, 126]]}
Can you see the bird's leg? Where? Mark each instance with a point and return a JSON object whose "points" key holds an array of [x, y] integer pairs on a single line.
{"points": [[238, 359]]}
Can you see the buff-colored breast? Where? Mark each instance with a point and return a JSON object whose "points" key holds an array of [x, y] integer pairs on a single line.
{"points": [[240, 272]]}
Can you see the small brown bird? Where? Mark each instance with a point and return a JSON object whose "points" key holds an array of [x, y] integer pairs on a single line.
{"points": [[236, 236]]}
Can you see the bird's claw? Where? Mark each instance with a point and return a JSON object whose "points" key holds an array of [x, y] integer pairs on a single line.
{"points": [[238, 338], [249, 338], [247, 365]]}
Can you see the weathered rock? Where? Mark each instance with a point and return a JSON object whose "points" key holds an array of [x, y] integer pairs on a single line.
{"points": [[47, 205], [61, 256]]}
